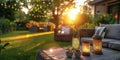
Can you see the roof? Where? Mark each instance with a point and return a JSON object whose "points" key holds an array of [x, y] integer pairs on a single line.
{"points": [[95, 2]]}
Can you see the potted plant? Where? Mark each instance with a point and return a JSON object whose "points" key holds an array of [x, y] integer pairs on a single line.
{"points": [[69, 52], [77, 53]]}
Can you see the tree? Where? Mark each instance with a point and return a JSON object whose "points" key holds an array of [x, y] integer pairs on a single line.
{"points": [[41, 9], [59, 9], [86, 7], [8, 8]]}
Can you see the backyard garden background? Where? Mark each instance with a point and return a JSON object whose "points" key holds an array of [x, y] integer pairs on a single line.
{"points": [[23, 24]]}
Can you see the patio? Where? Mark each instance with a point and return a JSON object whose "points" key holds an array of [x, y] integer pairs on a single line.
{"points": [[59, 54]]}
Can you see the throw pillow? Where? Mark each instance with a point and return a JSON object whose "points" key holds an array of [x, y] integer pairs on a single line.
{"points": [[65, 29], [100, 31], [112, 31]]}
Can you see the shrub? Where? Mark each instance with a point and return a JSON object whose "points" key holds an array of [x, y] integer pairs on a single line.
{"points": [[13, 26], [4, 25], [103, 19], [87, 25]]}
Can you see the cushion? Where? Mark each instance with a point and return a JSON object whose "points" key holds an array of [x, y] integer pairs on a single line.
{"points": [[100, 31], [113, 30], [115, 45], [65, 29]]}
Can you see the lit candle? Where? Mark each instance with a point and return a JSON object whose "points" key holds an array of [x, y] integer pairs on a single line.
{"points": [[86, 50]]}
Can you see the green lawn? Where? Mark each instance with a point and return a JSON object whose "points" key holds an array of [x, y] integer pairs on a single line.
{"points": [[26, 48]]}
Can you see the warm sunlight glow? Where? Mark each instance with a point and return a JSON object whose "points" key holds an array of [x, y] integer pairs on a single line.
{"points": [[73, 13], [79, 2], [24, 36], [25, 10]]}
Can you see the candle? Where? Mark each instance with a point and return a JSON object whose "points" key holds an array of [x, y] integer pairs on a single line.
{"points": [[86, 50]]}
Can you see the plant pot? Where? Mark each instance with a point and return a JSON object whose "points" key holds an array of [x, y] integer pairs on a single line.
{"points": [[69, 54], [77, 55]]}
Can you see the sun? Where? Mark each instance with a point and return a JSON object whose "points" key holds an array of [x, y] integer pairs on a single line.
{"points": [[72, 13]]}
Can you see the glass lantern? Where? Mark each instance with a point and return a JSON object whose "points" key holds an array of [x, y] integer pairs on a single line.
{"points": [[97, 44], [86, 48], [75, 43]]}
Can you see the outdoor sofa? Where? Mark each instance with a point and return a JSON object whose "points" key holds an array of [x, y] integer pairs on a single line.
{"points": [[111, 38]]}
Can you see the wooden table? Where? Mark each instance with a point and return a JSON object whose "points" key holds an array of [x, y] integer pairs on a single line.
{"points": [[59, 54]]}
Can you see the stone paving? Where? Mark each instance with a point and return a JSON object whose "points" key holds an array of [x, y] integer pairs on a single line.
{"points": [[59, 54]]}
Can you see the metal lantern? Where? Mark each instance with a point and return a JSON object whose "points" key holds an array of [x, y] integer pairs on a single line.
{"points": [[86, 48], [97, 44]]}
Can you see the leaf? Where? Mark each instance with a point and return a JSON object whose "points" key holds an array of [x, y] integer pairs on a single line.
{"points": [[1, 46], [6, 44]]}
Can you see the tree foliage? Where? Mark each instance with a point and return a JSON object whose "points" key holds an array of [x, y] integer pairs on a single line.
{"points": [[103, 19], [41, 8], [8, 7], [4, 25]]}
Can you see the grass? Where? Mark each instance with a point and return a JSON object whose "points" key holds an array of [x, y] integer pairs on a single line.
{"points": [[26, 48]]}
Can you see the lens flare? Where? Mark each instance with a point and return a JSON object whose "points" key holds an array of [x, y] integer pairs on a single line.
{"points": [[73, 13]]}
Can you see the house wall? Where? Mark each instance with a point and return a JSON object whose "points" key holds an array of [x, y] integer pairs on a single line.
{"points": [[107, 6], [100, 9]]}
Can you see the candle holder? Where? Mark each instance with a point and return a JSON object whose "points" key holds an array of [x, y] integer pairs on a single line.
{"points": [[97, 44], [86, 48]]}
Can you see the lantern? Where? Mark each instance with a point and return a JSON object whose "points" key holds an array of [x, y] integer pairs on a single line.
{"points": [[97, 44], [116, 16], [86, 48], [75, 43]]}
